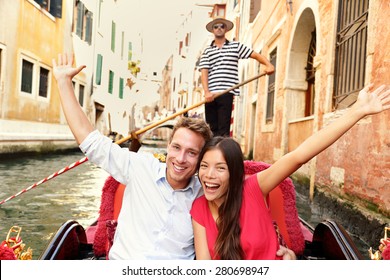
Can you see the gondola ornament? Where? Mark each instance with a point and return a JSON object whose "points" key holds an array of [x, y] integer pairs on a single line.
{"points": [[12, 248], [383, 252]]}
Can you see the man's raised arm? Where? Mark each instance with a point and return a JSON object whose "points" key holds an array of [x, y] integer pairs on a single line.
{"points": [[77, 120]]}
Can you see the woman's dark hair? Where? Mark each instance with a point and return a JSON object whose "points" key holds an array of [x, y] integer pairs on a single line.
{"points": [[228, 245]]}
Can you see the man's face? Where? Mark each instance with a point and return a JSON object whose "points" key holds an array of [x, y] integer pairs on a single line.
{"points": [[182, 157], [219, 29]]}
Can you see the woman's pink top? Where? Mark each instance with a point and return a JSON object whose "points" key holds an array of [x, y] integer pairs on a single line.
{"points": [[258, 237]]}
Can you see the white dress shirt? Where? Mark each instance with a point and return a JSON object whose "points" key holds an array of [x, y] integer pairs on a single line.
{"points": [[155, 220]]}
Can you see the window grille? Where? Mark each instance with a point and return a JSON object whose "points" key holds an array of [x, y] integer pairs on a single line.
{"points": [[255, 8], [88, 27], [111, 82], [351, 48], [99, 66], [54, 7], [27, 76], [271, 89], [310, 76], [79, 19], [43, 82], [81, 95]]}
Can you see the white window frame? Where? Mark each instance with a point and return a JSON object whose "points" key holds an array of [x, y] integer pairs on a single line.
{"points": [[35, 79], [76, 87], [49, 75], [33, 93]]}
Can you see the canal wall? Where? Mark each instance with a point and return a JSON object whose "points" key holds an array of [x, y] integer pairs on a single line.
{"points": [[359, 218], [24, 137]]}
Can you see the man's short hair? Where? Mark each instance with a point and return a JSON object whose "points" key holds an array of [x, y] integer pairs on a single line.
{"points": [[197, 125]]}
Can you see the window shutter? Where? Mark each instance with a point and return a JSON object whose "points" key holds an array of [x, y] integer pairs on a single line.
{"points": [[271, 89], [27, 76], [80, 17], [121, 88], [130, 51], [111, 82], [43, 82], [42, 3], [99, 69], [113, 36], [88, 28], [81, 95]]}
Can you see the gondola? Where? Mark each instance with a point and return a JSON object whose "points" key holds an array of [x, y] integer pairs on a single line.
{"points": [[326, 241]]}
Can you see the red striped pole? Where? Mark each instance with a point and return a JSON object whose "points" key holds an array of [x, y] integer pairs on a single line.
{"points": [[55, 174]]}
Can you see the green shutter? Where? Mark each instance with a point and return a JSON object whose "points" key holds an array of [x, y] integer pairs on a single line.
{"points": [[88, 27], [130, 51], [122, 44], [113, 36], [121, 88], [99, 69], [80, 17], [111, 82]]}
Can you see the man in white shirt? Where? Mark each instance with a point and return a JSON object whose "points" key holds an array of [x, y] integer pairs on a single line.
{"points": [[154, 222]]}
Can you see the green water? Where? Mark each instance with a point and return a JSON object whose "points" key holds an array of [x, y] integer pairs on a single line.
{"points": [[74, 195]]}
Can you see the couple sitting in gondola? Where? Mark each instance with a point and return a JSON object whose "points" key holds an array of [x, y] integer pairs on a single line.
{"points": [[168, 210]]}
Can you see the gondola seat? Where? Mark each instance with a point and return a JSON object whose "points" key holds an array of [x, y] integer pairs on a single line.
{"points": [[69, 243]]}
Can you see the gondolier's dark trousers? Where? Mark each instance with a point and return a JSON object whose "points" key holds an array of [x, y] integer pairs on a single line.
{"points": [[218, 114]]}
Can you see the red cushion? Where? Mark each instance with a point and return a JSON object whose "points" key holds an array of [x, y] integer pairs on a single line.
{"points": [[106, 213], [283, 208]]}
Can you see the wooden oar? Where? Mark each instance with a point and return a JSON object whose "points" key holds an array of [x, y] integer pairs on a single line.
{"points": [[153, 125], [146, 128]]}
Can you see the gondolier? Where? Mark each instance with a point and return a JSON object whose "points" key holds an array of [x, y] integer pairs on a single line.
{"points": [[219, 71]]}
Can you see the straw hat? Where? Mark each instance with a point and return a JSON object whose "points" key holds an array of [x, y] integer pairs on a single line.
{"points": [[229, 25]]}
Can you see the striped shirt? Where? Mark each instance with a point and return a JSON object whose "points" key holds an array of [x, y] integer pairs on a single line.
{"points": [[222, 64]]}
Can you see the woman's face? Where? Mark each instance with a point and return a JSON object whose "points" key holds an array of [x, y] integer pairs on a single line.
{"points": [[214, 176]]}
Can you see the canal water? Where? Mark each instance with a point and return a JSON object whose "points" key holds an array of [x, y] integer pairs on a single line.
{"points": [[73, 195]]}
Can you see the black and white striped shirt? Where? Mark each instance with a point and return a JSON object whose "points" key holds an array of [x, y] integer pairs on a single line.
{"points": [[222, 64]]}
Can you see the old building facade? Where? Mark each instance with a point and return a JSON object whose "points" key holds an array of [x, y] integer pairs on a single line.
{"points": [[97, 33], [30, 114], [324, 53]]}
